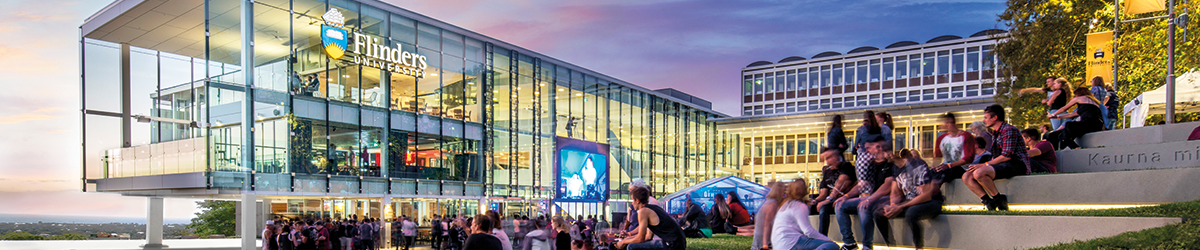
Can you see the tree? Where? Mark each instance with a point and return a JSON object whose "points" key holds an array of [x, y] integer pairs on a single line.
{"points": [[1048, 38], [215, 217], [69, 236], [21, 236]]}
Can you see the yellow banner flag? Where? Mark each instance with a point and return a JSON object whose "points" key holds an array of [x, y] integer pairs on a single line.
{"points": [[1133, 7], [1099, 56]]}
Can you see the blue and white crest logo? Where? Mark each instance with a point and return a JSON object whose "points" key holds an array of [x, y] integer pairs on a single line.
{"points": [[333, 37]]}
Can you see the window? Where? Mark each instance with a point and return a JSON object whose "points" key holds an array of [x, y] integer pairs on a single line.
{"points": [[887, 98], [988, 89], [956, 61], [791, 80], [972, 90], [747, 85], [972, 59], [825, 104], [901, 97], [849, 102], [758, 110], [914, 66], [801, 106], [956, 92], [837, 103], [927, 95], [826, 76], [875, 70], [861, 77], [801, 80], [837, 75], [747, 110], [779, 108], [943, 93], [928, 64], [769, 109], [791, 107], [814, 77], [813, 105], [901, 67], [874, 99], [943, 62], [769, 82], [758, 84], [862, 100], [989, 61], [780, 81], [889, 71], [914, 96]]}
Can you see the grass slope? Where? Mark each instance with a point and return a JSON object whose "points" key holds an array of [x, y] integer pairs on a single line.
{"points": [[1185, 235], [720, 241]]}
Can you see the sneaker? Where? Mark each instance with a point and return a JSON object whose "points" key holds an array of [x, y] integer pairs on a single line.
{"points": [[987, 201], [1001, 202], [849, 247], [867, 247]]}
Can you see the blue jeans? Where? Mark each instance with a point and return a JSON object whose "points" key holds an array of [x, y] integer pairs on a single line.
{"points": [[865, 216], [823, 218], [649, 245], [806, 243], [1104, 112], [1054, 123]]}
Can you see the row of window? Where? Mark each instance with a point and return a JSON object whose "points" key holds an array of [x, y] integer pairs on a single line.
{"points": [[958, 60], [871, 100]]}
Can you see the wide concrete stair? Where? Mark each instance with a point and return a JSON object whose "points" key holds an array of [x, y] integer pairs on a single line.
{"points": [[1144, 166]]}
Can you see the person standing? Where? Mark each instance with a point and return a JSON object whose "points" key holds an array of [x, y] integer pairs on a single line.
{"points": [[1112, 104], [602, 226], [653, 221], [835, 137], [409, 229], [562, 239], [348, 232], [869, 129], [916, 195], [268, 236], [482, 239], [766, 216], [283, 238], [436, 232], [323, 237], [1009, 158], [366, 234], [498, 232], [791, 228], [1055, 98], [1101, 95], [955, 148]]}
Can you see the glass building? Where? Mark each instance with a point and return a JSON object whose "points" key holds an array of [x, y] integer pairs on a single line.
{"points": [[340, 107]]}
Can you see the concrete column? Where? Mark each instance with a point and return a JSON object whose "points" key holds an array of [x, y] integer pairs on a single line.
{"points": [[154, 223], [248, 216], [126, 108]]}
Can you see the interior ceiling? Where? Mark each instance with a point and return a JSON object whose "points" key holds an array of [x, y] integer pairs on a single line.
{"points": [[178, 28]]}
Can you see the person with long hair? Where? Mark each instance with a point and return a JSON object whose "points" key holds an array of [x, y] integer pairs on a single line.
{"points": [[869, 129], [283, 238], [1101, 94], [955, 148], [268, 236], [719, 215], [1088, 109], [1056, 98], [738, 215], [765, 217], [885, 124], [835, 137], [499, 232], [562, 239], [916, 195], [791, 228]]}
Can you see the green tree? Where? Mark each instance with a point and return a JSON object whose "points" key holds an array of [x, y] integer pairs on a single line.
{"points": [[215, 217], [69, 236], [1048, 38], [21, 236]]}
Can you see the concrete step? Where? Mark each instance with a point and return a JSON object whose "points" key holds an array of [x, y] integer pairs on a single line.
{"points": [[1119, 187], [1141, 135], [1004, 231]]}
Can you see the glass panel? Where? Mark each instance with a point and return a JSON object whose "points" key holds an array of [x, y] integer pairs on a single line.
{"points": [[452, 44], [861, 77], [972, 59], [956, 64], [429, 87], [429, 37], [770, 83], [453, 85], [837, 75], [887, 98], [956, 92], [875, 70], [404, 30], [815, 77], [989, 60], [342, 83], [758, 84], [914, 66], [901, 68], [928, 64], [802, 80], [373, 88], [791, 80]]}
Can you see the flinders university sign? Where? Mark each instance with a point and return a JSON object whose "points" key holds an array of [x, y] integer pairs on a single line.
{"points": [[366, 49]]}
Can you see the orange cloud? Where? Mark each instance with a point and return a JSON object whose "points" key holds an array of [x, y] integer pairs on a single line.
{"points": [[36, 115]]}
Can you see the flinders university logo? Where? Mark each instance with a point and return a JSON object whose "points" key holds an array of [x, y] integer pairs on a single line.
{"points": [[333, 36]]}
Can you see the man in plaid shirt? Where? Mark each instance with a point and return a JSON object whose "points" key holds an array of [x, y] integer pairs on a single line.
{"points": [[1010, 158]]}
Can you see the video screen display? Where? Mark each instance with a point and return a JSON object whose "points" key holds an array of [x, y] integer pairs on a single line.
{"points": [[582, 170]]}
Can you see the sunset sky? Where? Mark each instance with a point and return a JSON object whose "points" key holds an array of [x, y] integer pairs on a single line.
{"points": [[696, 46]]}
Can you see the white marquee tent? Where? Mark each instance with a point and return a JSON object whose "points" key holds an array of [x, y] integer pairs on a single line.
{"points": [[1187, 99]]}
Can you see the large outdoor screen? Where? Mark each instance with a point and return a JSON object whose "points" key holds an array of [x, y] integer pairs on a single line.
{"points": [[581, 169]]}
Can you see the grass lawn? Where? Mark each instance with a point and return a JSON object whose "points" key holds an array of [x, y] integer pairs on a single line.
{"points": [[1190, 209], [720, 241], [1185, 235]]}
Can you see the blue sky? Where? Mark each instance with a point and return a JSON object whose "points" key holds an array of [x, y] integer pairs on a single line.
{"points": [[695, 46]]}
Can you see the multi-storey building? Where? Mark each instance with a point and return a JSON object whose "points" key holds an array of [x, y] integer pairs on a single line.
{"points": [[357, 107], [787, 105]]}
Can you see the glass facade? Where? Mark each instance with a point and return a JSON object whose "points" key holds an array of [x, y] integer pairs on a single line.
{"points": [[478, 120]]}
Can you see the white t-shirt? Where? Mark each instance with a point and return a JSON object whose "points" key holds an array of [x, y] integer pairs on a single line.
{"points": [[503, 238], [791, 223], [409, 228], [952, 148]]}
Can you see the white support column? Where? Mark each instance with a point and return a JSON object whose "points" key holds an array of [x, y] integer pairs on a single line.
{"points": [[248, 221], [154, 223], [386, 236]]}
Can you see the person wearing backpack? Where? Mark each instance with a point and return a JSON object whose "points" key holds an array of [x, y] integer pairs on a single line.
{"points": [[308, 238], [366, 234]]}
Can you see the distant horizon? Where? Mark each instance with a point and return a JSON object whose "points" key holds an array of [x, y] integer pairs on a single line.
{"points": [[82, 219]]}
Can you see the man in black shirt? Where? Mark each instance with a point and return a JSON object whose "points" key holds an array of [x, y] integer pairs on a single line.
{"points": [[916, 195], [874, 191], [696, 222], [652, 219], [837, 178], [482, 239]]}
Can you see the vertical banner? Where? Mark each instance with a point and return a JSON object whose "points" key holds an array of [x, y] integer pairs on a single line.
{"points": [[1100, 56], [1133, 7]]}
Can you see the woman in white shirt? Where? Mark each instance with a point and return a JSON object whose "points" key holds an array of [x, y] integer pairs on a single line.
{"points": [[792, 230]]}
